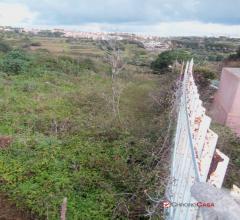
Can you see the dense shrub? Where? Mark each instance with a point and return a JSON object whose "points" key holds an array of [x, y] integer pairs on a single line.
{"points": [[15, 62], [166, 58], [235, 56], [35, 44], [218, 57], [4, 47], [203, 75]]}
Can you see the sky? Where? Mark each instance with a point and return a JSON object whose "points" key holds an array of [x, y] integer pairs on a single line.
{"points": [[150, 17]]}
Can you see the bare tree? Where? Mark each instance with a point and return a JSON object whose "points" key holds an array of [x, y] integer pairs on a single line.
{"points": [[114, 58]]}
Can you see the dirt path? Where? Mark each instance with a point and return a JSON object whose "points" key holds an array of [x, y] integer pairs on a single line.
{"points": [[8, 211]]}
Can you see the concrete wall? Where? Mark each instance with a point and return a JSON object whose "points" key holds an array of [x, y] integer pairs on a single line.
{"points": [[226, 109], [194, 156]]}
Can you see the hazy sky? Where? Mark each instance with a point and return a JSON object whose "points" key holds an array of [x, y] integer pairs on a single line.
{"points": [[159, 17]]}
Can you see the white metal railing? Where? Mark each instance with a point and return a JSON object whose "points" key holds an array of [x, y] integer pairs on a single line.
{"points": [[194, 148]]}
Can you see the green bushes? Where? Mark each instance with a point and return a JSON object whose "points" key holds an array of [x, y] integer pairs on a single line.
{"points": [[15, 62], [66, 143], [203, 75], [206, 72], [229, 143], [56, 170], [217, 58], [235, 56], [4, 47], [166, 58]]}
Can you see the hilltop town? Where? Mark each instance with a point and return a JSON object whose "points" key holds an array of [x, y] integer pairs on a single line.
{"points": [[153, 43]]}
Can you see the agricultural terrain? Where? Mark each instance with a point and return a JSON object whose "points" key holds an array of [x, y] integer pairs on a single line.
{"points": [[89, 121]]}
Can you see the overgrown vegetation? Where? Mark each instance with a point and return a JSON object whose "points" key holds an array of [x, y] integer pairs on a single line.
{"points": [[167, 58], [82, 120], [229, 143], [203, 75], [235, 56], [210, 49], [60, 137], [14, 62], [4, 47]]}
